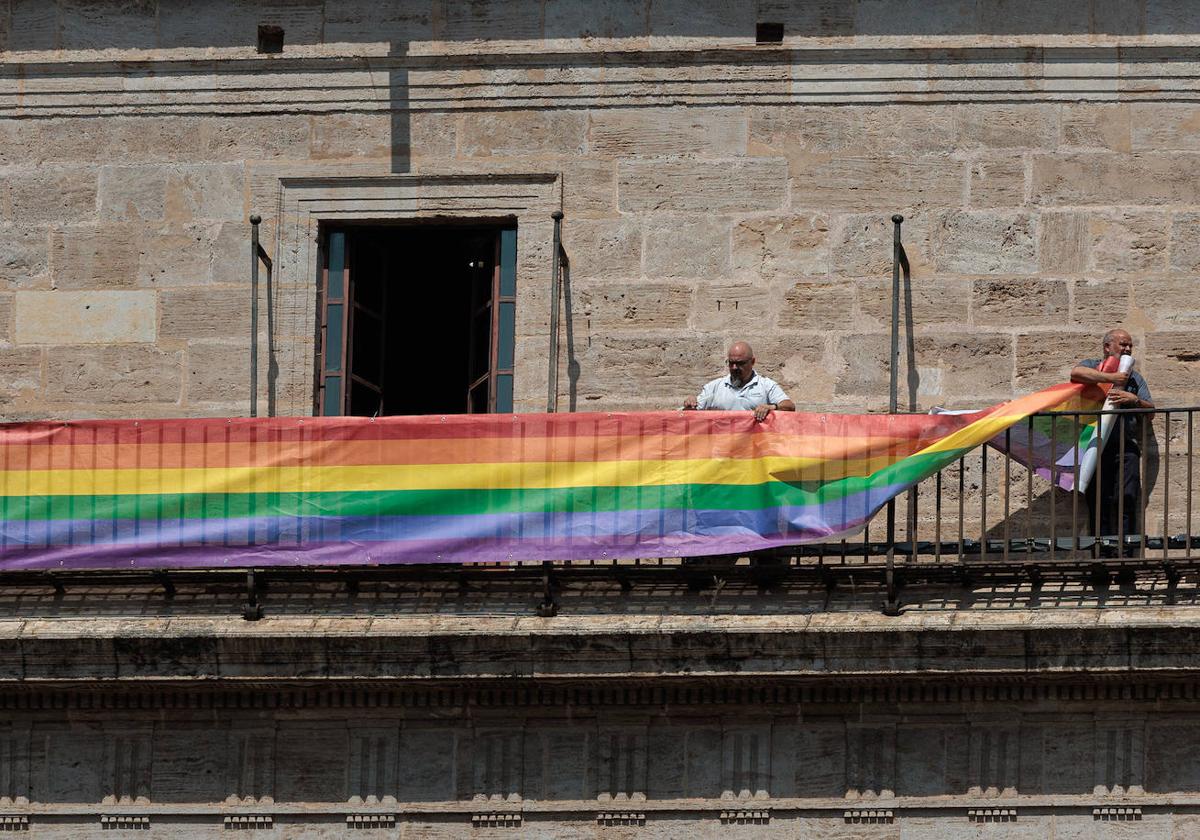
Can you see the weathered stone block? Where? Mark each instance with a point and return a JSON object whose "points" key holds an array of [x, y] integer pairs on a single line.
{"points": [[20, 370], [1093, 126], [934, 300], [434, 778], [1106, 178], [976, 365], [1161, 302], [694, 247], [1046, 358], [100, 257], [488, 20], [1064, 242], [734, 309], [114, 374], [719, 186], [351, 136], [300, 19], [73, 758], [1164, 126], [184, 256], [589, 188], [706, 19], [215, 191], [996, 181], [805, 132], [603, 247], [133, 193], [62, 317], [353, 21], [1098, 302], [782, 246], [6, 316], [607, 307], [53, 195], [141, 139], [1007, 126], [921, 754], [97, 26], [1171, 364], [218, 373], [205, 313], [522, 133], [557, 764], [678, 364], [979, 242], [429, 137], [1128, 241], [863, 364], [1185, 243], [228, 250], [817, 306], [1067, 747], [18, 139], [861, 245], [592, 21], [317, 756], [641, 133], [23, 256], [1023, 301], [34, 26], [878, 183], [253, 138], [189, 763]]}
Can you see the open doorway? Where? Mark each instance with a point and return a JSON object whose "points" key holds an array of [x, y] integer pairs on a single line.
{"points": [[416, 319]]}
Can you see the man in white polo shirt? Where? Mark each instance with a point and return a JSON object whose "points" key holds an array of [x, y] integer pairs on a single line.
{"points": [[743, 388]]}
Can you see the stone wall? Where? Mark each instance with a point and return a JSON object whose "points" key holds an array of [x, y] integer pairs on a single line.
{"points": [[712, 188], [420, 711], [846, 763]]}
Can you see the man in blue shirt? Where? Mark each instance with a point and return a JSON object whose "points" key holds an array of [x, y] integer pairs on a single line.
{"points": [[1118, 475], [743, 388]]}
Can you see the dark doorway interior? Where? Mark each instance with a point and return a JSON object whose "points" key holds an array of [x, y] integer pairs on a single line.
{"points": [[424, 319]]}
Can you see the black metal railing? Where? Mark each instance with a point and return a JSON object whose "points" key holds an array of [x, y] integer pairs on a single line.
{"points": [[987, 516]]}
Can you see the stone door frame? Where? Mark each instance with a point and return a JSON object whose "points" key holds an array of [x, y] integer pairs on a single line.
{"points": [[295, 202]]}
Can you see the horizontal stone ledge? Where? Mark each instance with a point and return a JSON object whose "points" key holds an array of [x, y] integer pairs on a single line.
{"points": [[779, 807], [121, 651], [166, 66], [914, 697]]}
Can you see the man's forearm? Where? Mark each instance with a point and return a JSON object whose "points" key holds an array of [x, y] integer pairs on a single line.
{"points": [[1088, 376]]}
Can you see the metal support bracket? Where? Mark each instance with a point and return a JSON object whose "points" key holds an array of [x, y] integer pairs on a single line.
{"points": [[168, 585], [252, 610], [893, 581], [548, 608]]}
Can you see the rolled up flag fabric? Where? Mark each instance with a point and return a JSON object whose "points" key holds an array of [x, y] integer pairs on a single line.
{"points": [[209, 493]]}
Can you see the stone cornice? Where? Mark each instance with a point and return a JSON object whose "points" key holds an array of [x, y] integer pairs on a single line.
{"points": [[597, 79], [859, 648]]}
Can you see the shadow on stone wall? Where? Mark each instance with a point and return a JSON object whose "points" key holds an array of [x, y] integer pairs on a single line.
{"points": [[224, 23]]}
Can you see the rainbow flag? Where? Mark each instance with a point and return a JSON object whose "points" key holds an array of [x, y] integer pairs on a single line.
{"points": [[1054, 449], [458, 489]]}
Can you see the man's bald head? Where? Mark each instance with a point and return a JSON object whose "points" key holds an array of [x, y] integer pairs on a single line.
{"points": [[740, 349], [740, 360], [1118, 342]]}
